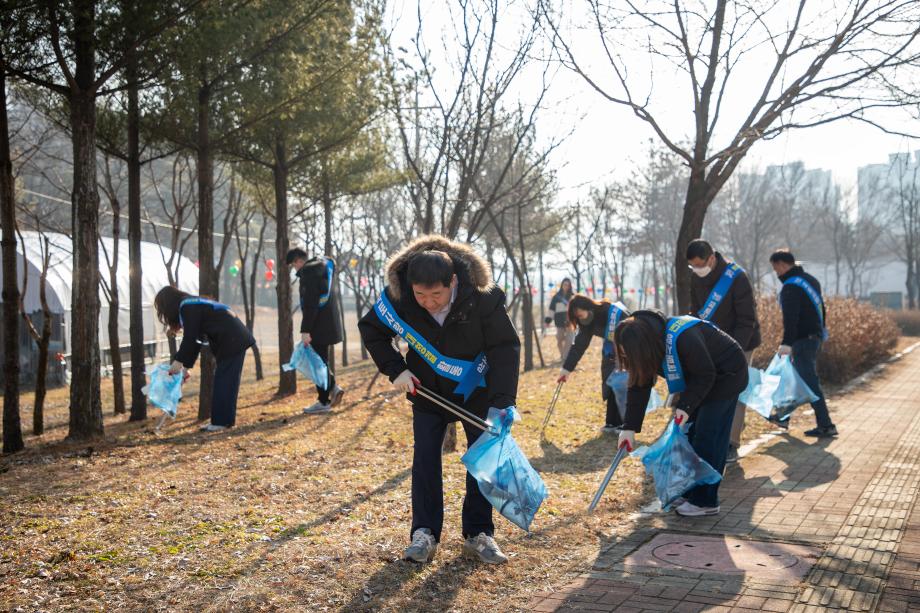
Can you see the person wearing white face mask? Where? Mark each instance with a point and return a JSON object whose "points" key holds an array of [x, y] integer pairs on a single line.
{"points": [[721, 293]]}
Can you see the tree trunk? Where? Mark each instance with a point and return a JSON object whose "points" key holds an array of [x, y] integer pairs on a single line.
{"points": [[542, 300], [41, 376], [691, 226], [208, 283], [135, 274], [256, 352], [12, 428], [118, 381], [85, 402], [327, 249], [287, 383]]}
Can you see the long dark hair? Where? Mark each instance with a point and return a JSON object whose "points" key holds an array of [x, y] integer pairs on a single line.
{"points": [[580, 301], [167, 306], [567, 294], [640, 350]]}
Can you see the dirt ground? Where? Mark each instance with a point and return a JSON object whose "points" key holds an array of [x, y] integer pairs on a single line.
{"points": [[288, 512]]}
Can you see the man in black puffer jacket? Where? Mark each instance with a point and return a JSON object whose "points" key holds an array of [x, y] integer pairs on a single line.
{"points": [[444, 291], [804, 332], [321, 326]]}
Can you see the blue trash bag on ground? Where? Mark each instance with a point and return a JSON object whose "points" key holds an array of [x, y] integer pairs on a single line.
{"points": [[307, 362], [505, 477], [674, 465], [617, 381], [164, 390], [792, 391], [758, 396]]}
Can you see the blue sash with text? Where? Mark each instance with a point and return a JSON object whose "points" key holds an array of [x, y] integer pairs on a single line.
{"points": [[469, 375], [720, 290], [815, 298], [673, 373], [614, 314], [330, 272]]}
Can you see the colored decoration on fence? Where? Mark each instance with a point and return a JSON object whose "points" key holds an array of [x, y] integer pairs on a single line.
{"points": [[270, 264], [234, 270], [269, 275]]}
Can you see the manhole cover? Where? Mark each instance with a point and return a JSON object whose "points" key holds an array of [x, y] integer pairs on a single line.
{"points": [[724, 555]]}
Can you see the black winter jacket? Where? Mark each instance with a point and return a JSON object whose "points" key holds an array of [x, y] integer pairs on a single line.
{"points": [[226, 335], [713, 364], [322, 323], [560, 318], [737, 313], [477, 322], [800, 318], [586, 332]]}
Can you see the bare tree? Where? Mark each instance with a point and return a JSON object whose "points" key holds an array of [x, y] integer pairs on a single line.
{"points": [[111, 187], [242, 234], [815, 63]]}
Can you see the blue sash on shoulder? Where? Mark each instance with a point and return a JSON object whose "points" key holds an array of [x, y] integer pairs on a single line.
{"points": [[217, 306], [815, 298], [673, 373], [614, 314], [720, 290], [330, 272], [469, 375]]}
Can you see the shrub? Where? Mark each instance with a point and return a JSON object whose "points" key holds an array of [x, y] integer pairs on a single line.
{"points": [[860, 337], [908, 322]]}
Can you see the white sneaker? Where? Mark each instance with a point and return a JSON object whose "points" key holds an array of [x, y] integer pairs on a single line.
{"points": [[336, 396], [317, 408], [484, 548], [213, 428], [422, 548], [688, 509]]}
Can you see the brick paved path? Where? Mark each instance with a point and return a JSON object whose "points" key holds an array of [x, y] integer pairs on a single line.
{"points": [[853, 499]]}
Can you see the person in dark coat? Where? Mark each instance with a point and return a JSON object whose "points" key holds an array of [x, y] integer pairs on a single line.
{"points": [[206, 322], [714, 373], [559, 309], [804, 332], [320, 326], [444, 292], [721, 292], [592, 318]]}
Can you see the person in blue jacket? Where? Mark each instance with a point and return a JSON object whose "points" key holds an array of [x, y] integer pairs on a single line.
{"points": [[804, 332], [202, 321], [704, 368]]}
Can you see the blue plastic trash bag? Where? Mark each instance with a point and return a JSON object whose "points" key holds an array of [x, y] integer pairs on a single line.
{"points": [[505, 477], [307, 362], [164, 390], [674, 466], [758, 396], [792, 391], [617, 382]]}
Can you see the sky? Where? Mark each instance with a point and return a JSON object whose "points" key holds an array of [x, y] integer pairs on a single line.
{"points": [[601, 141]]}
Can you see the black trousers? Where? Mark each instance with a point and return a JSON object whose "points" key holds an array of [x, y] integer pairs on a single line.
{"points": [[226, 390], [428, 429], [614, 417], [323, 351]]}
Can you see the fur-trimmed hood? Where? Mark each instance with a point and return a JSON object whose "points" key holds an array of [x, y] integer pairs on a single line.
{"points": [[470, 268]]}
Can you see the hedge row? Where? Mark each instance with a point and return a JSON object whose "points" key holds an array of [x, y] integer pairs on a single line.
{"points": [[860, 337]]}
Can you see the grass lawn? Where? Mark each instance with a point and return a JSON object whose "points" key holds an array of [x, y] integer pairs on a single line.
{"points": [[295, 512]]}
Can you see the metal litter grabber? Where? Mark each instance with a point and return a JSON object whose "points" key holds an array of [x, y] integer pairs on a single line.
{"points": [[552, 407], [621, 453], [460, 412]]}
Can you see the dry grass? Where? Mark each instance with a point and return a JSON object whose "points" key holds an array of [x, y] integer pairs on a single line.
{"points": [[907, 321], [860, 336], [289, 512]]}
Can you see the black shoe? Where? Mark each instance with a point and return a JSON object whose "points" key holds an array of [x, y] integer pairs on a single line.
{"points": [[779, 423], [827, 432], [732, 456]]}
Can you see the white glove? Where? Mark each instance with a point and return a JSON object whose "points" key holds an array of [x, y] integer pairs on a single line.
{"points": [[305, 338], [176, 367], [406, 382], [784, 350], [681, 417], [626, 439], [563, 375]]}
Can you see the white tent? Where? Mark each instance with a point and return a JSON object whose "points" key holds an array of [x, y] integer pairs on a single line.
{"points": [[60, 278]]}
